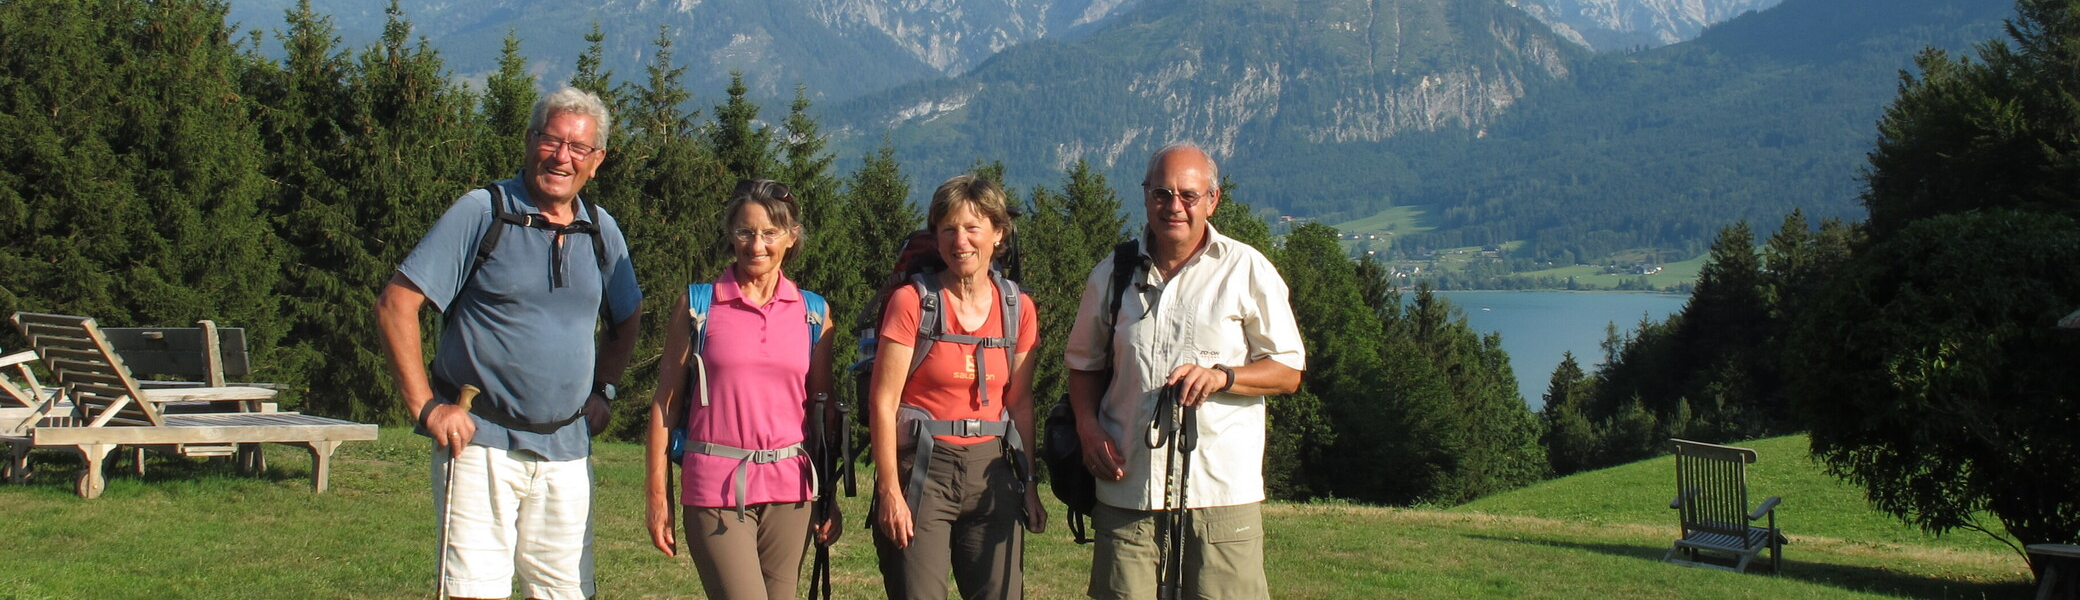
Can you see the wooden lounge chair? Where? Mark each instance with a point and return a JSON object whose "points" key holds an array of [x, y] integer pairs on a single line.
{"points": [[25, 404], [194, 357], [114, 410], [1712, 498]]}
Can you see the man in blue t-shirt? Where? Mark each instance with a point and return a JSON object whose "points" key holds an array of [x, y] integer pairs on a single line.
{"points": [[511, 482]]}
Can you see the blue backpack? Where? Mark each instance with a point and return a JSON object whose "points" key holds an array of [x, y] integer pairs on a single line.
{"points": [[700, 297]]}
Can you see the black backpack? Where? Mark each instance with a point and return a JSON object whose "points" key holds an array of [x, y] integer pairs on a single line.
{"points": [[1060, 447], [500, 218]]}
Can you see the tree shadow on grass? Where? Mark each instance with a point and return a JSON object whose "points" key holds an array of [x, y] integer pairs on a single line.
{"points": [[1853, 578], [60, 469]]}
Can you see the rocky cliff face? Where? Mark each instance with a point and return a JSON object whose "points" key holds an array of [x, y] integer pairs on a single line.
{"points": [[1620, 24], [836, 48], [952, 35], [1230, 76]]}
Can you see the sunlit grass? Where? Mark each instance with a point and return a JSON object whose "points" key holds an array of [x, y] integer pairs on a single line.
{"points": [[191, 529]]}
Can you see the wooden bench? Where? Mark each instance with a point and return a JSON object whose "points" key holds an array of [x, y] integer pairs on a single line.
{"points": [[2058, 570], [112, 408], [1712, 499]]}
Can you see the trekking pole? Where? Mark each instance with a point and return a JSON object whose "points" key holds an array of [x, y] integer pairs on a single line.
{"points": [[1187, 442], [1170, 562], [826, 486], [440, 575]]}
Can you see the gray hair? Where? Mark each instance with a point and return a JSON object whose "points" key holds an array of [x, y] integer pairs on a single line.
{"points": [[1213, 171], [570, 100], [779, 204]]}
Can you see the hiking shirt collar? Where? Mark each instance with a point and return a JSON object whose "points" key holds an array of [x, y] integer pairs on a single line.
{"points": [[727, 289], [1213, 247]]}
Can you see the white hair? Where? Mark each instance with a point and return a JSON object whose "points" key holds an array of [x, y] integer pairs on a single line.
{"points": [[570, 100]]}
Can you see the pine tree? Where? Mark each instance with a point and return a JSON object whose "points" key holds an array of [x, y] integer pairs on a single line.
{"points": [[1570, 439], [132, 192], [1067, 235], [831, 260], [735, 139], [406, 154], [509, 97], [668, 190], [587, 74]]}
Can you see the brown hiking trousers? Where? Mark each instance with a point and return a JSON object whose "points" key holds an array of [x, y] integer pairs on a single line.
{"points": [[969, 522]]}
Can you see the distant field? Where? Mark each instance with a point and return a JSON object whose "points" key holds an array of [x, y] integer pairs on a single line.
{"points": [[1400, 220], [192, 530], [1675, 273]]}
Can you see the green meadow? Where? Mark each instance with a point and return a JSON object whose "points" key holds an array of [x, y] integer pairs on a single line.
{"points": [[191, 529]]}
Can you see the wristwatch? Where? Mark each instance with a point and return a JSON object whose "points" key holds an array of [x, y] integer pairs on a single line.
{"points": [[1231, 378], [605, 390]]}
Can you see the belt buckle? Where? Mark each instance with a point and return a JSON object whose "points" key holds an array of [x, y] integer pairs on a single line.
{"points": [[765, 456]]}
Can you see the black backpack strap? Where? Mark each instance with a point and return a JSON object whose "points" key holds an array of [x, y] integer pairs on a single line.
{"points": [[599, 237], [500, 217], [1126, 258], [492, 232]]}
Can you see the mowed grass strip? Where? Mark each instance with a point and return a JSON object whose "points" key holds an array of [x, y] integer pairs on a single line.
{"points": [[193, 529]]}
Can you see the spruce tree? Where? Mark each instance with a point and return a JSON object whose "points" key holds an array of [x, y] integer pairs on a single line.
{"points": [[132, 189], [407, 154], [1570, 439], [509, 97], [831, 260], [742, 146], [669, 191]]}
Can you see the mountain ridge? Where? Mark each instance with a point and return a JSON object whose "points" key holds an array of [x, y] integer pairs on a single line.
{"points": [[1578, 155]]}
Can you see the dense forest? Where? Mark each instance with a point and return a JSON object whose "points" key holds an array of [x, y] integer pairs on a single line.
{"points": [[1920, 349], [164, 169]]}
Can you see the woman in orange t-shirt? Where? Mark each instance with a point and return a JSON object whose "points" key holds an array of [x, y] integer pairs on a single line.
{"points": [[965, 513]]}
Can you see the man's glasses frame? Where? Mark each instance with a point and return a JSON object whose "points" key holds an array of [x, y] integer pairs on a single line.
{"points": [[1161, 196], [552, 144]]}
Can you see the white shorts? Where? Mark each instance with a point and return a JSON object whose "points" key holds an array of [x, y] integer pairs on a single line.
{"points": [[514, 513]]}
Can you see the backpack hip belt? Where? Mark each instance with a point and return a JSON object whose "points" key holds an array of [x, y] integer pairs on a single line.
{"points": [[922, 430], [746, 457]]}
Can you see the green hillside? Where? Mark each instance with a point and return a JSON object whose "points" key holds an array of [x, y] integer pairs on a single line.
{"points": [[189, 529], [1816, 506]]}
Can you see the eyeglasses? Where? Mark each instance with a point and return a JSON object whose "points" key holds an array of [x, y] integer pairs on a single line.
{"points": [[744, 235], [1159, 196], [552, 144]]}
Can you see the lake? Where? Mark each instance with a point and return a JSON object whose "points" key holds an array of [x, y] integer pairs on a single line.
{"points": [[1537, 327]]}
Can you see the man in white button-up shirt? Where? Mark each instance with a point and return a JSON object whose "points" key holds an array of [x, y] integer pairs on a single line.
{"points": [[1210, 315]]}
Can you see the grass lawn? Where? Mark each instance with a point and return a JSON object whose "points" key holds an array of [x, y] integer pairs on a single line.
{"points": [[189, 529]]}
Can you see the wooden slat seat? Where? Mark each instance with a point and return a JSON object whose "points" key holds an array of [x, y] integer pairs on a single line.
{"points": [[1712, 499], [113, 409]]}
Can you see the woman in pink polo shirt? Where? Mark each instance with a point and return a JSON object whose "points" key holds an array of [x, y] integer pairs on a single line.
{"points": [[951, 430], [742, 376]]}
